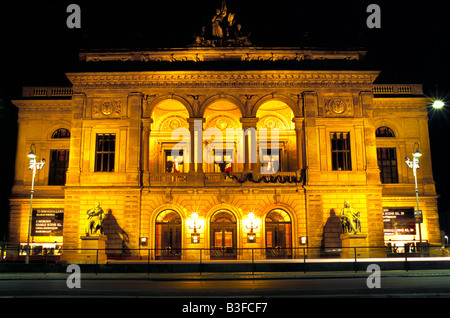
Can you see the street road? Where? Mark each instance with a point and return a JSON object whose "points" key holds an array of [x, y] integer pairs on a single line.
{"points": [[430, 286]]}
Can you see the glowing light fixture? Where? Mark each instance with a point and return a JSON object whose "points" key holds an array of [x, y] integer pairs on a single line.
{"points": [[437, 104], [251, 236], [195, 237]]}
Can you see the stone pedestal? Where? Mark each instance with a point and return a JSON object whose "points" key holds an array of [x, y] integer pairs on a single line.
{"points": [[93, 250], [350, 241]]}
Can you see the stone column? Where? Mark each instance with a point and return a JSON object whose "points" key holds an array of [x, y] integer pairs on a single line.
{"points": [[133, 148], [311, 137], [145, 149], [250, 146], [299, 142], [196, 144], [74, 170], [372, 169]]}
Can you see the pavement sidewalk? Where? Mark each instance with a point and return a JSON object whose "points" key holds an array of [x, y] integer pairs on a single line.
{"points": [[221, 276]]}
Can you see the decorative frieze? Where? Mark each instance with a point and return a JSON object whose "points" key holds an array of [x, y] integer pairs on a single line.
{"points": [[231, 79]]}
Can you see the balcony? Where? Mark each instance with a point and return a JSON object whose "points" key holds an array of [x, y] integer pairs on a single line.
{"points": [[47, 91], [168, 179], [219, 179]]}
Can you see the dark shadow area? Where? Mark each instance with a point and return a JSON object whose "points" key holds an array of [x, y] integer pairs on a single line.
{"points": [[117, 239], [332, 230]]}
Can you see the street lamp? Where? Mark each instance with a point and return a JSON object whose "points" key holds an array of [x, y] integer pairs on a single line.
{"points": [[414, 164], [34, 165], [437, 104]]}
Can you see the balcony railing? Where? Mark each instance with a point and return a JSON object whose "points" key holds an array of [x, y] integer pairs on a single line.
{"points": [[168, 179], [397, 89], [46, 91], [226, 179]]}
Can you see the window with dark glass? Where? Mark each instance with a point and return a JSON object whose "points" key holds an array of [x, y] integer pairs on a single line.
{"points": [[105, 152], [384, 132], [174, 162], [387, 162], [61, 133], [341, 158], [59, 162], [223, 160]]}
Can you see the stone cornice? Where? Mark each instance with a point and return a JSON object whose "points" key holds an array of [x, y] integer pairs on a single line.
{"points": [[202, 54], [42, 103], [223, 79]]}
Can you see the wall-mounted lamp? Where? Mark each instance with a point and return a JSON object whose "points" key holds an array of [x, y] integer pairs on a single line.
{"points": [[195, 237], [251, 236], [144, 241], [303, 240]]}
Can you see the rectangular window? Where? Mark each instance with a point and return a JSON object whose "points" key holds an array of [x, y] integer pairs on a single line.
{"points": [[59, 162], [341, 158], [174, 164], [271, 160], [223, 160], [105, 152], [387, 162]]}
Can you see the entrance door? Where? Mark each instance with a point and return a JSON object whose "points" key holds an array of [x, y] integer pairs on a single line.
{"points": [[278, 235], [223, 236], [168, 235]]}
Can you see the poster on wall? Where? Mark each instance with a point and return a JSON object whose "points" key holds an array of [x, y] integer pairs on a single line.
{"points": [[399, 221], [47, 222]]}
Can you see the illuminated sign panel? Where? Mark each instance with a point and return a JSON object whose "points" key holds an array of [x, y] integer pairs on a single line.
{"points": [[47, 222], [399, 221]]}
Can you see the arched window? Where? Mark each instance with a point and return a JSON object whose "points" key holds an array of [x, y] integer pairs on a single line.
{"points": [[168, 235], [384, 132], [278, 234], [61, 133], [387, 157], [223, 235]]}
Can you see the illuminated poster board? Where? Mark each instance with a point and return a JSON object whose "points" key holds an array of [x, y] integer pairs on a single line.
{"points": [[47, 222], [399, 221]]}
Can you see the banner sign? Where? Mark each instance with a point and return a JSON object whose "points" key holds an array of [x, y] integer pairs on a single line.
{"points": [[47, 222], [399, 221]]}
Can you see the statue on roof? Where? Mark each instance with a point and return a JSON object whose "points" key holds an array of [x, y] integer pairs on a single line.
{"points": [[224, 31], [217, 31]]}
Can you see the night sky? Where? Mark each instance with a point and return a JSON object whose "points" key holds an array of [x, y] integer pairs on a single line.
{"points": [[412, 46]]}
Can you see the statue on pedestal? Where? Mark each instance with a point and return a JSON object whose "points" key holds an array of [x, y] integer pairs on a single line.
{"points": [[94, 222], [350, 219]]}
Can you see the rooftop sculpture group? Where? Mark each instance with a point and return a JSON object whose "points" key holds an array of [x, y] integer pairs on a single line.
{"points": [[224, 31]]}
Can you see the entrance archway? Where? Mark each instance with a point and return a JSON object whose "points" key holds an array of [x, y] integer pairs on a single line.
{"points": [[278, 234], [223, 239], [168, 235]]}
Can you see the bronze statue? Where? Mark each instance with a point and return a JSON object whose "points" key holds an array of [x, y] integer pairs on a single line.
{"points": [[350, 219], [217, 30], [94, 224]]}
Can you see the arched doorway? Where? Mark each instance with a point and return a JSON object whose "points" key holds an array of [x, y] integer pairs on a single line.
{"points": [[223, 239], [168, 235], [278, 234]]}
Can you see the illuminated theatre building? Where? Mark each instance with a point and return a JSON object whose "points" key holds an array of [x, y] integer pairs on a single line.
{"points": [[332, 133]]}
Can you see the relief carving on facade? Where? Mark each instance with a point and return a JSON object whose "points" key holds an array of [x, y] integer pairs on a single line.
{"points": [[107, 108], [339, 106], [172, 123]]}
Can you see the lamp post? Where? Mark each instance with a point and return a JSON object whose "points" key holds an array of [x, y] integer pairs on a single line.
{"points": [[414, 164], [34, 165]]}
